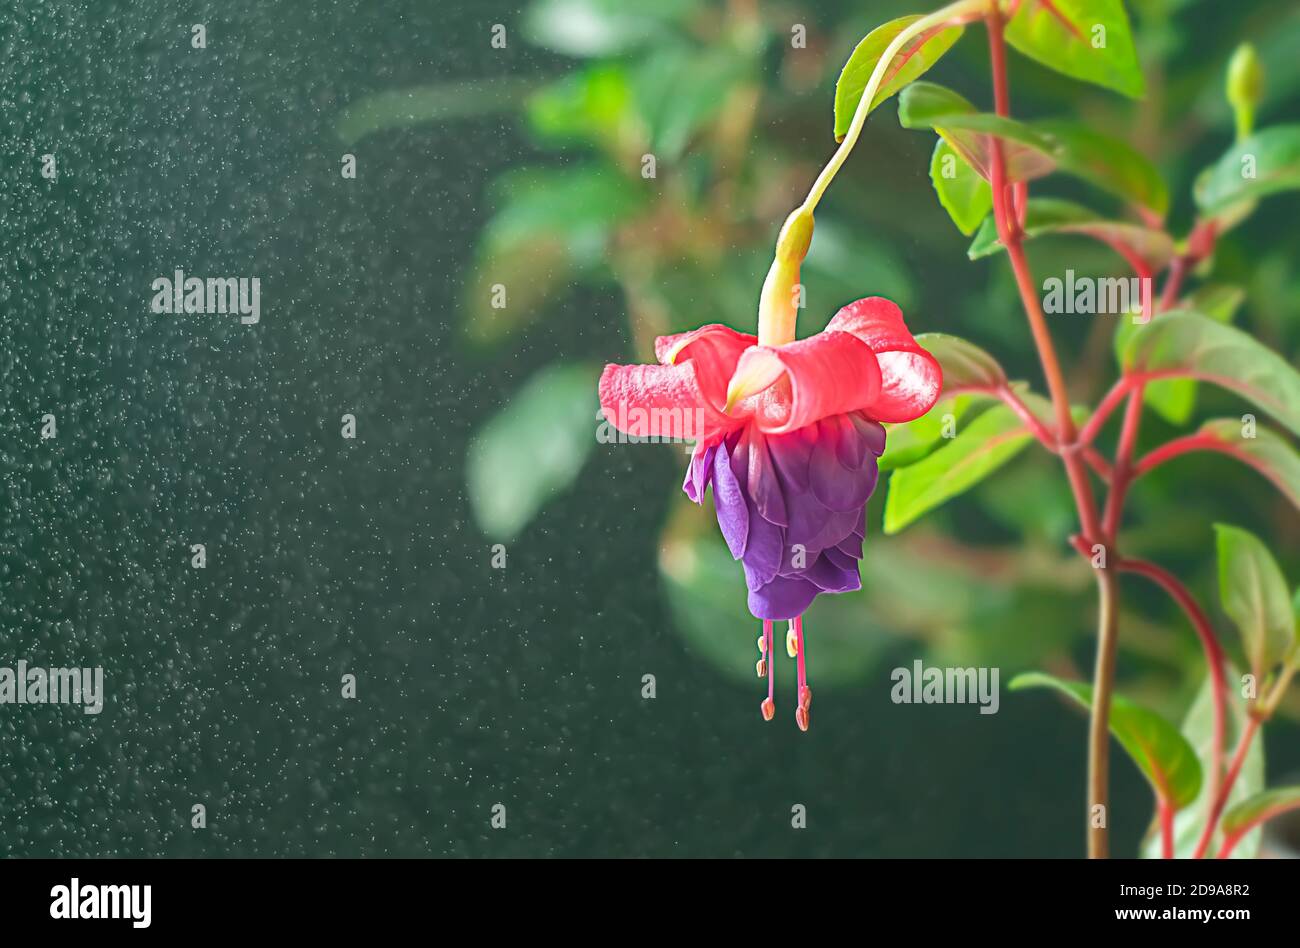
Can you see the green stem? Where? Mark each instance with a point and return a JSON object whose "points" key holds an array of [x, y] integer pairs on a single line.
{"points": [[778, 311], [952, 12]]}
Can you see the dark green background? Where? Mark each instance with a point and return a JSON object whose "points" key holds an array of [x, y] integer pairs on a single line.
{"points": [[327, 557]]}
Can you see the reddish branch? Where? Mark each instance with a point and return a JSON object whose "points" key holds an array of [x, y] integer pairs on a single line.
{"points": [[1010, 202], [1008, 215], [1221, 797], [1214, 658]]}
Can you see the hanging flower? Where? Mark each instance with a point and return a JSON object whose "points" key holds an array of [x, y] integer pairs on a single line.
{"points": [[788, 436]]}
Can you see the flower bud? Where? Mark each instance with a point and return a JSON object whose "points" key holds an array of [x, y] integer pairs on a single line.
{"points": [[1245, 87]]}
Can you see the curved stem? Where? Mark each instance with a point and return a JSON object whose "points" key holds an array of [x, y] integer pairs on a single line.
{"points": [[1204, 442], [777, 310], [1166, 815], [1214, 657], [1225, 789], [949, 15], [1179, 446]]}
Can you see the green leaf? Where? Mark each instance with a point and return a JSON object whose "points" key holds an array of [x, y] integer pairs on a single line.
{"points": [[964, 194], [551, 227], [965, 365], [400, 108], [1163, 755], [980, 448], [926, 105], [1054, 216], [1088, 40], [1263, 164], [1266, 451], [1185, 343], [1198, 728], [532, 449], [679, 89], [1219, 301], [916, 56], [909, 441], [1260, 808], [1034, 149], [1109, 163], [585, 200], [1256, 597], [592, 104], [1175, 399]]}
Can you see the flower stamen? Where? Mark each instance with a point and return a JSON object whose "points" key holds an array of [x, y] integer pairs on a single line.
{"points": [[805, 693], [765, 646]]}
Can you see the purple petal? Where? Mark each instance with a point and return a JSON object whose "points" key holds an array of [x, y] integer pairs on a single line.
{"points": [[733, 511], [782, 598], [699, 472], [764, 485], [835, 486], [790, 455], [851, 545], [872, 431], [839, 558], [763, 553], [828, 577]]}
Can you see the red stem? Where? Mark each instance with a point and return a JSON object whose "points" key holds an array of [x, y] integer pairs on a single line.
{"points": [[1214, 657], [1230, 842], [1166, 813], [1123, 461], [1221, 798], [1105, 407], [1007, 216], [1097, 463], [1036, 427], [1203, 442], [1179, 446], [1177, 270]]}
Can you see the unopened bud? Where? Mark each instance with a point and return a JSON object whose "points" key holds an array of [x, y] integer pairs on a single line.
{"points": [[1245, 87]]}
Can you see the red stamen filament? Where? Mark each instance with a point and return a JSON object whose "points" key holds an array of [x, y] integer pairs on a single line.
{"points": [[805, 695], [769, 706]]}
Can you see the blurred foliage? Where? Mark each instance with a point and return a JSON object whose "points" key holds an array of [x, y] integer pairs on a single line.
{"points": [[673, 138], [1198, 728]]}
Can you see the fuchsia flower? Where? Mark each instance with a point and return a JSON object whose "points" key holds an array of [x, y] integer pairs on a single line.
{"points": [[788, 435]]}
